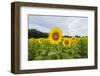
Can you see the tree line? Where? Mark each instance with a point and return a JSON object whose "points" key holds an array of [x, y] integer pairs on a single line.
{"points": [[33, 33]]}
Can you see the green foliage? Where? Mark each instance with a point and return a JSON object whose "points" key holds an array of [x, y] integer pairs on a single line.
{"points": [[33, 33], [47, 51]]}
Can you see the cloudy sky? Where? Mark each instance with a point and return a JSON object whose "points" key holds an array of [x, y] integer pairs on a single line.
{"points": [[70, 25]]}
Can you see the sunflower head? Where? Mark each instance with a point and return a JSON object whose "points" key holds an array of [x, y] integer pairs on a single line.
{"points": [[77, 39], [67, 42], [73, 38], [41, 40], [85, 37], [55, 35]]}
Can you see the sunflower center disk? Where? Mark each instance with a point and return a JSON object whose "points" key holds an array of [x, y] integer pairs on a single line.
{"points": [[73, 38], [66, 42], [55, 36]]}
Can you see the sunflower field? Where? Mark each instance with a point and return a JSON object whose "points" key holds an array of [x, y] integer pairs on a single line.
{"points": [[57, 46]]}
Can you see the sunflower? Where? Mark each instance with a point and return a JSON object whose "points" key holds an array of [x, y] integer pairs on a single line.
{"points": [[45, 40], [73, 38], [34, 39], [40, 40], [77, 39], [30, 40], [55, 35], [67, 42], [85, 37]]}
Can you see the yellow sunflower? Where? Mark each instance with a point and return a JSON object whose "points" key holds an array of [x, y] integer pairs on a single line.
{"points": [[77, 39], [85, 37], [73, 38], [55, 35], [67, 42], [40, 40], [34, 39], [46, 40]]}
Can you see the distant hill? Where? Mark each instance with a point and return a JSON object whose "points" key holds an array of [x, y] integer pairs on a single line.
{"points": [[33, 33]]}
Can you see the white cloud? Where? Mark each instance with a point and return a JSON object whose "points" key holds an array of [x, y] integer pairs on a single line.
{"points": [[39, 28]]}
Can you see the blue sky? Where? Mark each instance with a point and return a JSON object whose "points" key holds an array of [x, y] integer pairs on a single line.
{"points": [[70, 25]]}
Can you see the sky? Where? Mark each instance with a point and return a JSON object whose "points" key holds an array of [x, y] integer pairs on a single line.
{"points": [[70, 25]]}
